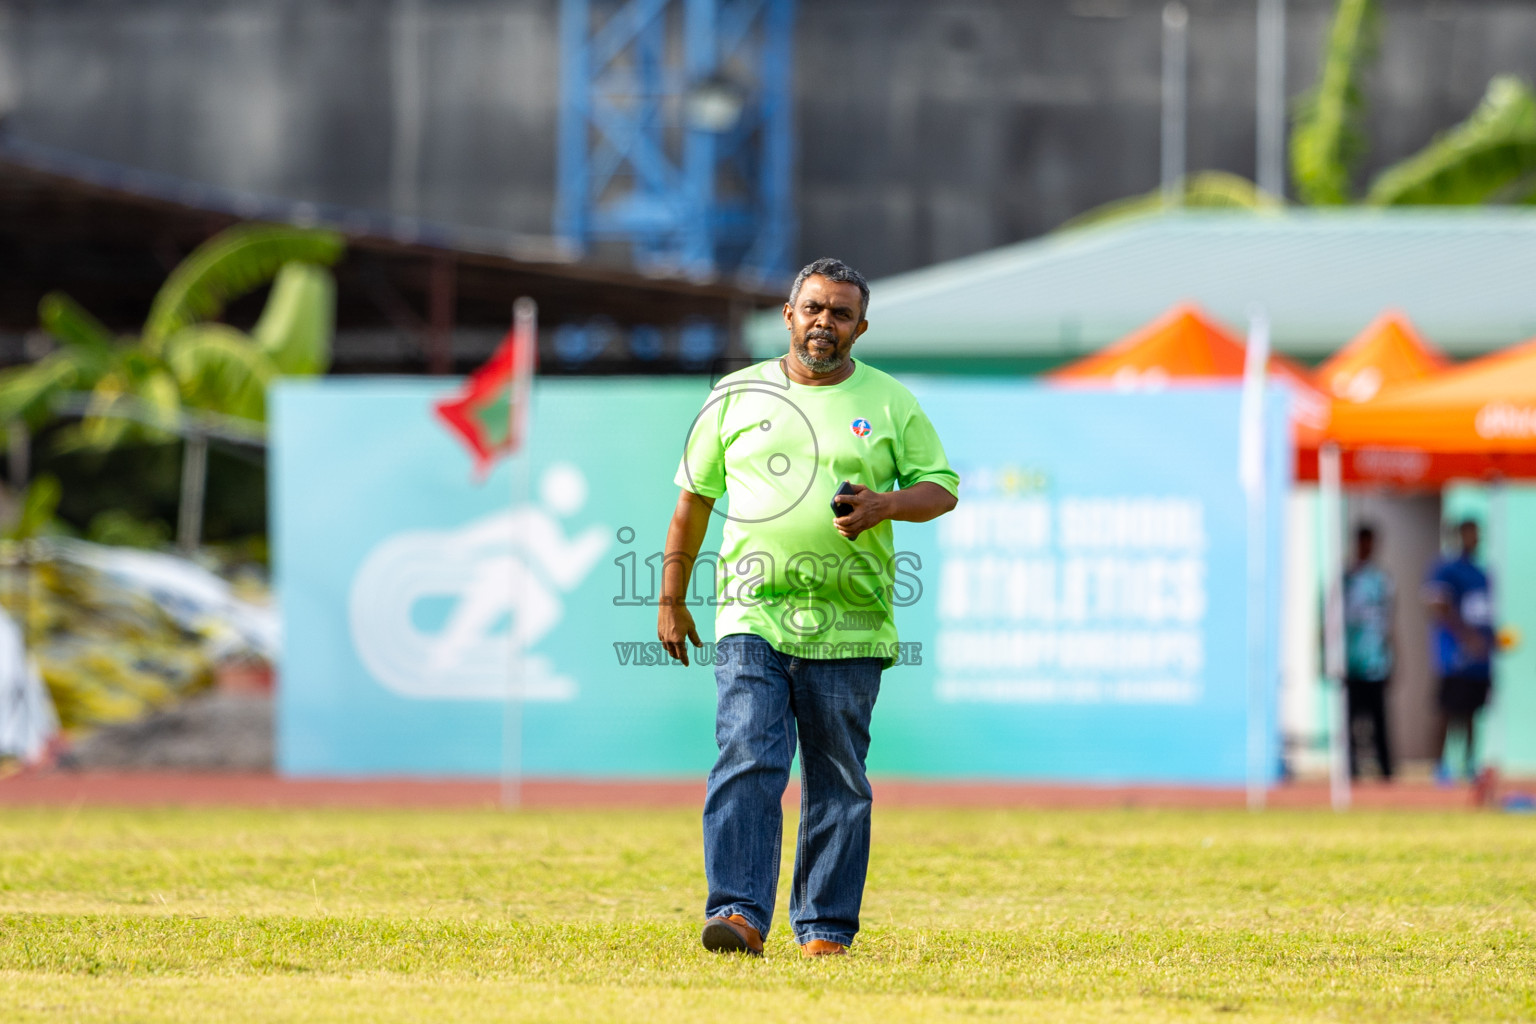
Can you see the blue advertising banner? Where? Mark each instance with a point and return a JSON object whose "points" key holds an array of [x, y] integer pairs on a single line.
{"points": [[1082, 614]]}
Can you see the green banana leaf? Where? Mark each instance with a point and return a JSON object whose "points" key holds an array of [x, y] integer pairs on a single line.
{"points": [[232, 263], [70, 322], [26, 392], [87, 353], [1326, 139], [161, 396], [220, 369], [1489, 157], [142, 391], [297, 322]]}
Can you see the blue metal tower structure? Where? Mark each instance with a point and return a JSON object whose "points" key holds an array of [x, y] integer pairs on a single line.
{"points": [[676, 133]]}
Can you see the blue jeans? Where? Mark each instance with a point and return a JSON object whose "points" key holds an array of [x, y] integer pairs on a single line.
{"points": [[765, 697]]}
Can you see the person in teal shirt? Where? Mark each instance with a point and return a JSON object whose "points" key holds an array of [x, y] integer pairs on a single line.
{"points": [[804, 604], [1368, 648]]}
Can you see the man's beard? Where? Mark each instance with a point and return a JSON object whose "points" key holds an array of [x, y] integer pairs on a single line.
{"points": [[829, 364]]}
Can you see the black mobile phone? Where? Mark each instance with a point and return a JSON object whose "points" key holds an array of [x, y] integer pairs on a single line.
{"points": [[842, 508]]}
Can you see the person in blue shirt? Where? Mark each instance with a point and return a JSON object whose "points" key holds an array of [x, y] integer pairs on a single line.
{"points": [[1461, 643], [1368, 649]]}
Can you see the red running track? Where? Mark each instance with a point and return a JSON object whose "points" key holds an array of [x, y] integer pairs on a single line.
{"points": [[150, 789]]}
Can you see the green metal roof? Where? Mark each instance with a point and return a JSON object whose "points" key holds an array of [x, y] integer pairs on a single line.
{"points": [[1466, 277]]}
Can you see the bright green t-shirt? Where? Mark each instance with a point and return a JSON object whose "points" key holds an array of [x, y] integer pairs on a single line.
{"points": [[778, 451]]}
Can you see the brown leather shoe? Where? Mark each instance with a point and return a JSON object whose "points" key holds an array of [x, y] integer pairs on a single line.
{"points": [[823, 947], [731, 935]]}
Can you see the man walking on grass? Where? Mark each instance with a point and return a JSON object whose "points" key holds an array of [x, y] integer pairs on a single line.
{"points": [[805, 600]]}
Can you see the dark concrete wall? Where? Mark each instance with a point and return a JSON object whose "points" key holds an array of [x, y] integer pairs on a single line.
{"points": [[928, 129], [308, 99], [941, 129]]}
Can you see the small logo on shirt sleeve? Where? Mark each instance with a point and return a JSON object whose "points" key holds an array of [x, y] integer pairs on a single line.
{"points": [[860, 427]]}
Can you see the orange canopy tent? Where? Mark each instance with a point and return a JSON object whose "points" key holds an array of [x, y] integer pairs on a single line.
{"points": [[1181, 344], [1477, 420], [1387, 353], [1186, 344]]}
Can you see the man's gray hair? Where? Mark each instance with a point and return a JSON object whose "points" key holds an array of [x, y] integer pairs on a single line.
{"points": [[833, 270]]}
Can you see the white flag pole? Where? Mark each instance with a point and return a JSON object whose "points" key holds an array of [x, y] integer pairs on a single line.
{"points": [[1330, 492], [1251, 473], [525, 340]]}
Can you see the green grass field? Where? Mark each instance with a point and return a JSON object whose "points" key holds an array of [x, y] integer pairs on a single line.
{"points": [[1131, 915]]}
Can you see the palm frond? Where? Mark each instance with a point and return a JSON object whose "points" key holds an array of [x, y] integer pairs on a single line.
{"points": [[1206, 190], [219, 369], [1491, 156], [298, 320], [230, 264], [1326, 140]]}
